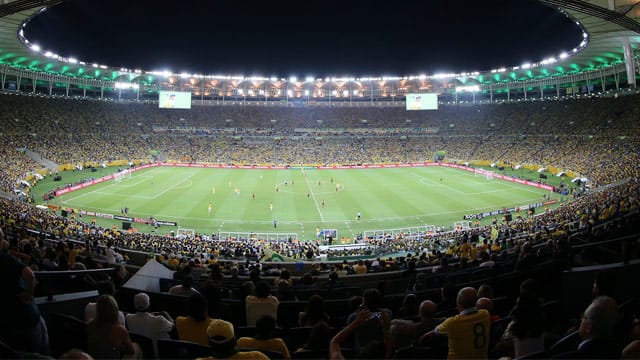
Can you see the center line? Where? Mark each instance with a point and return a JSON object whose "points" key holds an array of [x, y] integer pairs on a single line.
{"points": [[314, 197]]}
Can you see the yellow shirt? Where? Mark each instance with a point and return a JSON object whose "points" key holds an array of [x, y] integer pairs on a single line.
{"points": [[274, 344], [468, 334], [192, 330]]}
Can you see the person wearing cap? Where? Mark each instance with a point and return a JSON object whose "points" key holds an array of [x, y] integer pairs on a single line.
{"points": [[222, 340], [154, 326]]}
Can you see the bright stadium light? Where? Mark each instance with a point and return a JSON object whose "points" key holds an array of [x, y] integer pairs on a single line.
{"points": [[469, 88], [73, 60], [48, 54], [526, 66], [35, 47], [564, 55], [309, 79], [293, 79]]}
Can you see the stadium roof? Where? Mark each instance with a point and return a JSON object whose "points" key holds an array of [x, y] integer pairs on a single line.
{"points": [[605, 31]]}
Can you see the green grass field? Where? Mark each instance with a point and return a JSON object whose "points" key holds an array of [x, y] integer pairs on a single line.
{"points": [[386, 198]]}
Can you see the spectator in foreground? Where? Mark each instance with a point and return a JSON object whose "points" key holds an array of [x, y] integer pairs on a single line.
{"points": [[428, 321], [263, 303], [222, 340], [318, 340], [487, 304], [24, 329], [105, 287], [106, 337], [193, 327], [525, 333], [468, 332], [153, 326], [632, 350], [373, 349], [597, 331], [314, 312], [264, 339]]}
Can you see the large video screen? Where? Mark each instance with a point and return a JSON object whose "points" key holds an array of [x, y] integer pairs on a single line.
{"points": [[427, 101], [175, 100]]}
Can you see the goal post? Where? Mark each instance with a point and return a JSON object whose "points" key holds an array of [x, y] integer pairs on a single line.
{"points": [[124, 174], [182, 233], [487, 174]]}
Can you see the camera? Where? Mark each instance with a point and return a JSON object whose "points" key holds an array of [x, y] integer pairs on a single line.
{"points": [[375, 315]]}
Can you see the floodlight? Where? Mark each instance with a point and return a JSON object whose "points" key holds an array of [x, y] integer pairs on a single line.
{"points": [[48, 54], [72, 60], [35, 47], [309, 79], [526, 66]]}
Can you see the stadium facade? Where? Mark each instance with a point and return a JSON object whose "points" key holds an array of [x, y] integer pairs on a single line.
{"points": [[605, 61]]}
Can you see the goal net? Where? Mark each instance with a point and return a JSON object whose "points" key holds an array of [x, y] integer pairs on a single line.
{"points": [[489, 175], [183, 233], [461, 225], [124, 174]]}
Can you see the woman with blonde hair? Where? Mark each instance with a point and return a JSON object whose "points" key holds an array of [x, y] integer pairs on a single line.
{"points": [[106, 337]]}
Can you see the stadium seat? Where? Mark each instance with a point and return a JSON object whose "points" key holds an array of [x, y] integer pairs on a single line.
{"points": [[566, 344], [146, 345], [176, 349], [66, 332], [308, 354]]}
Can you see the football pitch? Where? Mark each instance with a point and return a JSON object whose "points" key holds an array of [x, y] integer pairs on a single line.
{"points": [[300, 201]]}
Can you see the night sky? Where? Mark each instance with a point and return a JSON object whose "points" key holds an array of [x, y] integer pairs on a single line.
{"points": [[318, 38]]}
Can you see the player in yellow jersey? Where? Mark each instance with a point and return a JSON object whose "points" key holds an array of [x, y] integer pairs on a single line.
{"points": [[209, 209], [270, 206]]}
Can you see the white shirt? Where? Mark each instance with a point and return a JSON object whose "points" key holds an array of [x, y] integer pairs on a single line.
{"points": [[152, 326]]}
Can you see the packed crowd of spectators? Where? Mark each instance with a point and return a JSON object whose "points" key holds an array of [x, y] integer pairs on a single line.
{"points": [[596, 137]]}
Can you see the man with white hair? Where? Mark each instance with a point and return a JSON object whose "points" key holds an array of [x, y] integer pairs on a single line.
{"points": [[154, 326], [597, 330]]}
